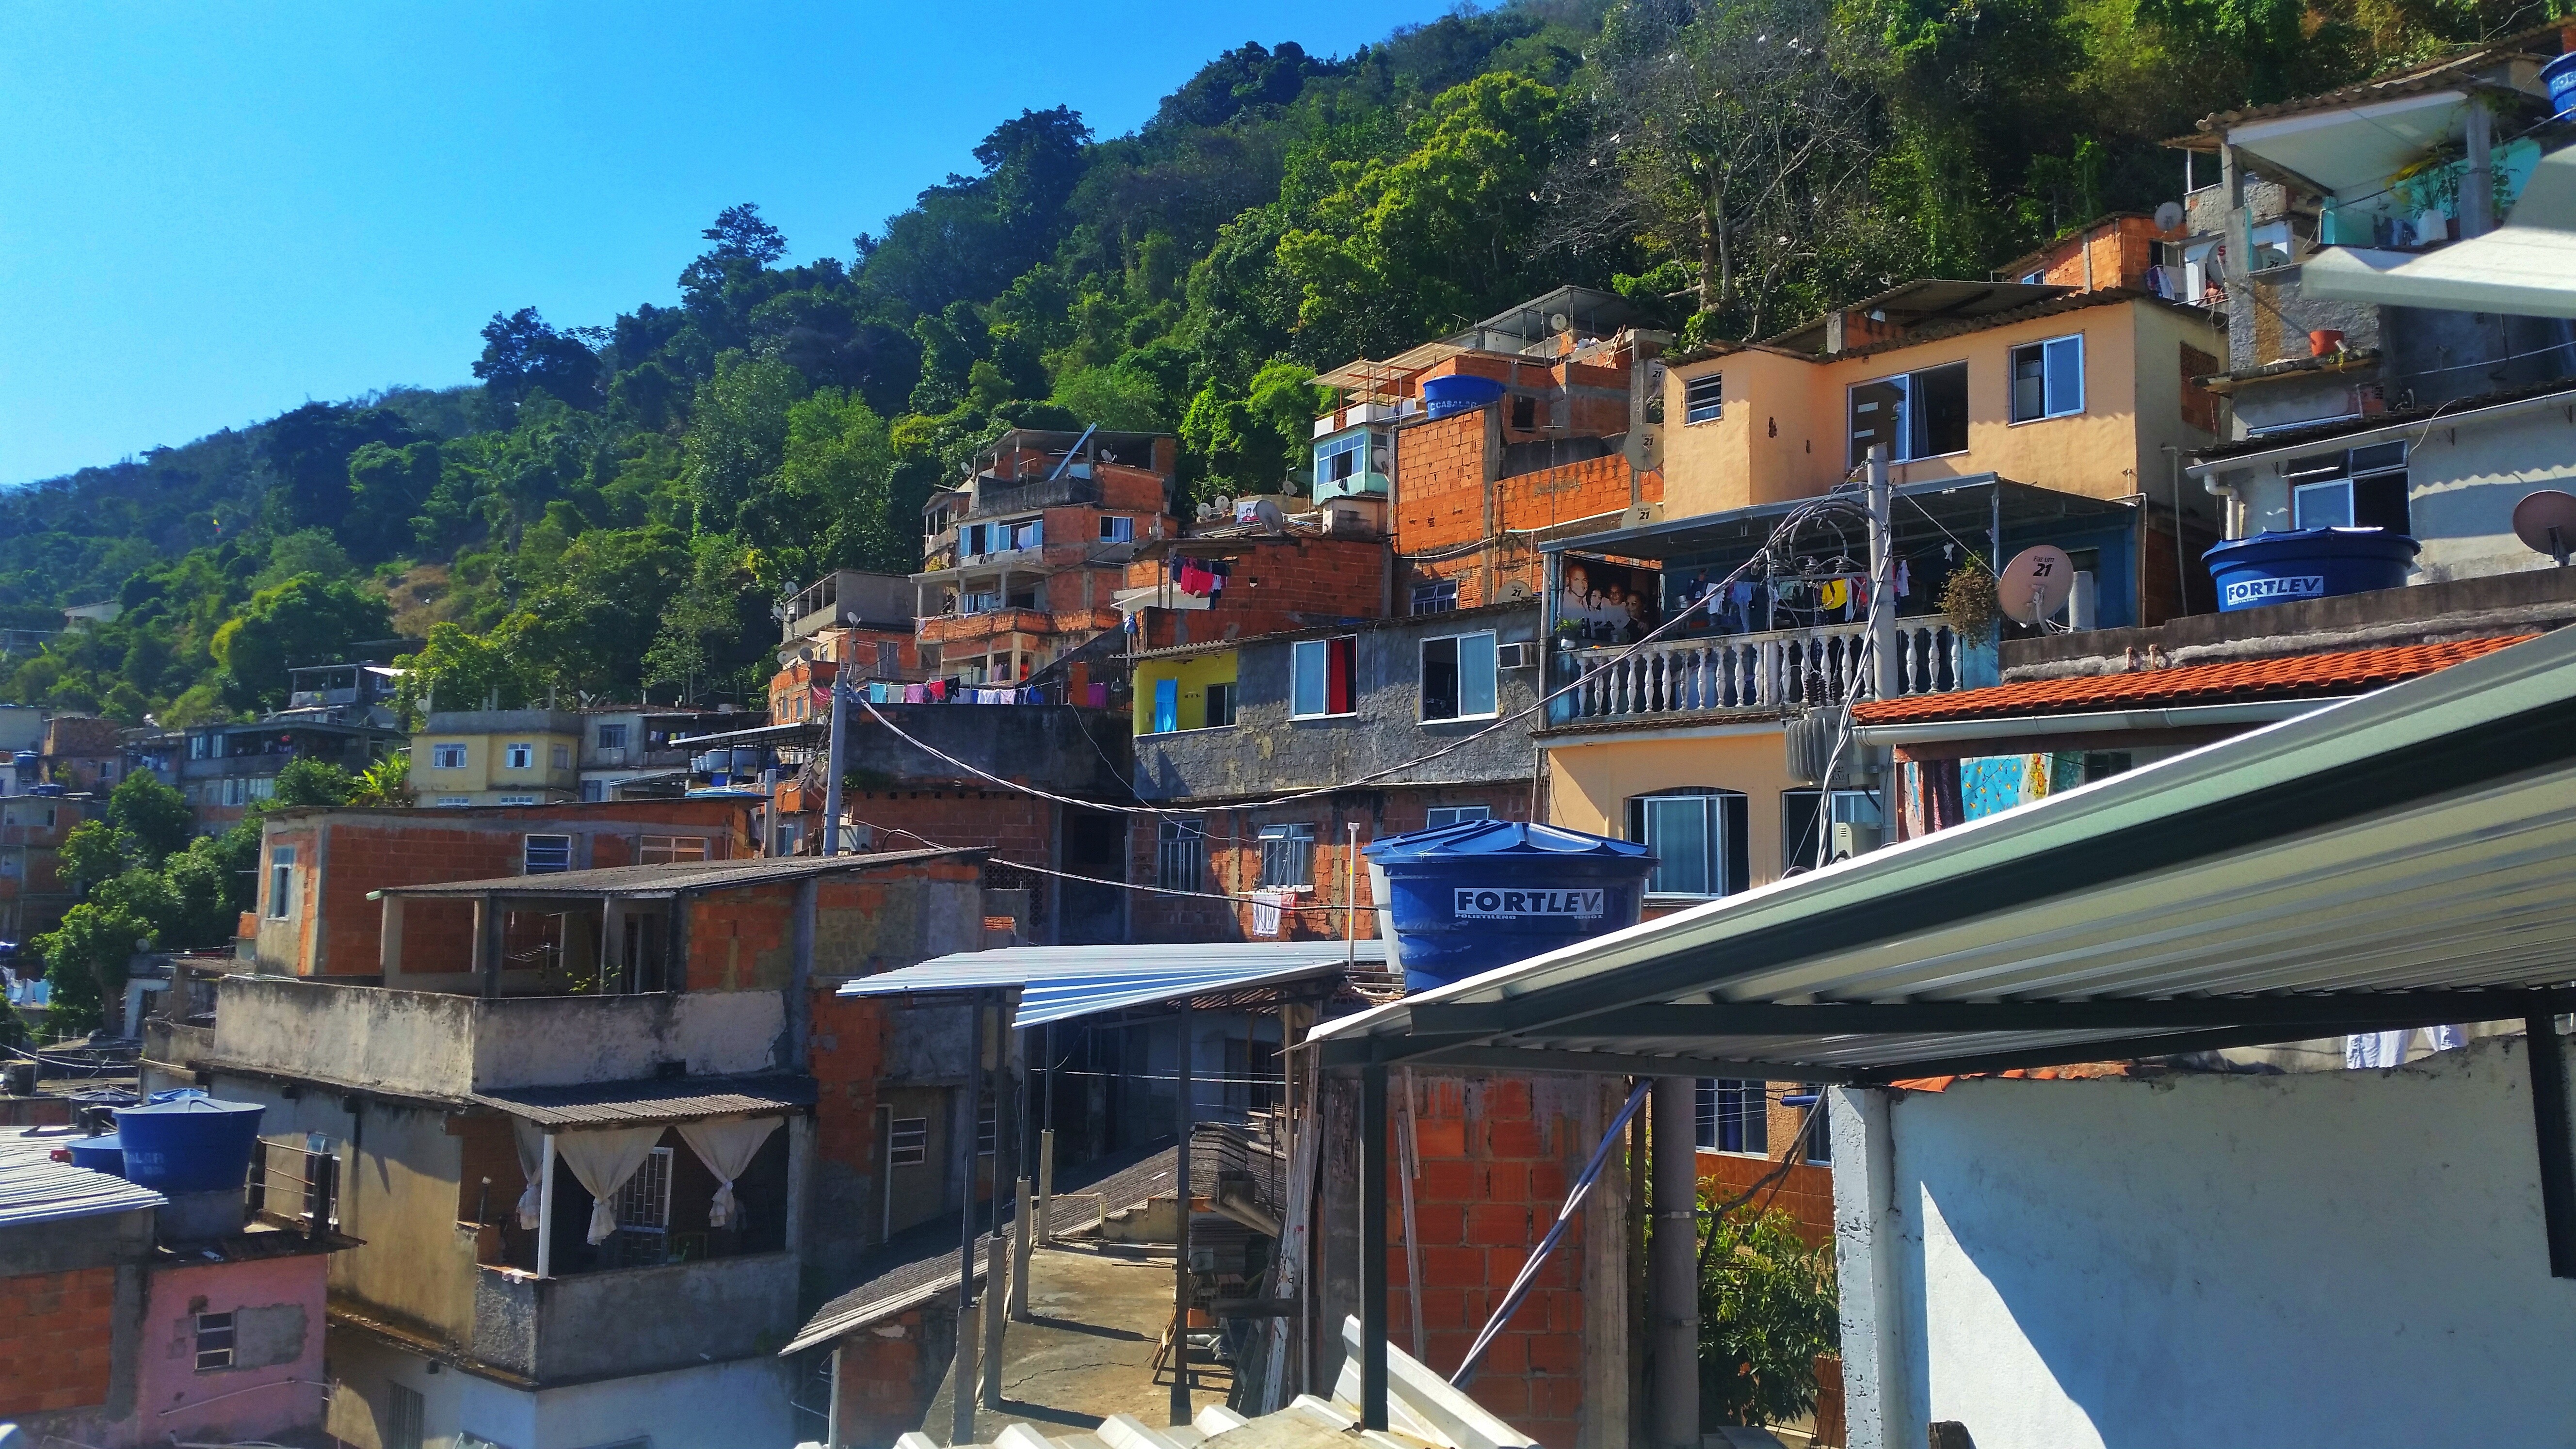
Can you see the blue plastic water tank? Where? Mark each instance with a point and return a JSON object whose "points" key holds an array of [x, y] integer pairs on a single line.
{"points": [[2560, 77], [1468, 898], [99, 1154], [2307, 563], [1458, 393], [192, 1144]]}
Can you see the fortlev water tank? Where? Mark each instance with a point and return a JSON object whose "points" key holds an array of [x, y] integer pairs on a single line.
{"points": [[1442, 396], [1467, 898], [2307, 563], [193, 1144]]}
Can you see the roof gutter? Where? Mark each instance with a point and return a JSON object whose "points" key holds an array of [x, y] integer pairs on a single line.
{"points": [[1942, 731], [2419, 426]]}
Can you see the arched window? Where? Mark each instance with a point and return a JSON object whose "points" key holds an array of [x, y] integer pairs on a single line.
{"points": [[1699, 839]]}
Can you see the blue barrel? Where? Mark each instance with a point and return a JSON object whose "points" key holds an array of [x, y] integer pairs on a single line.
{"points": [[2307, 563], [1457, 393], [1465, 899], [99, 1154], [193, 1144], [2560, 77]]}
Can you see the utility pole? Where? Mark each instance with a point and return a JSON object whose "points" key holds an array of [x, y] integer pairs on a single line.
{"points": [[1673, 1294], [1182, 1411], [834, 762], [1882, 577]]}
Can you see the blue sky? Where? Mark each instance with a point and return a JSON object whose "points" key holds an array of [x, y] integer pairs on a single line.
{"points": [[213, 212]]}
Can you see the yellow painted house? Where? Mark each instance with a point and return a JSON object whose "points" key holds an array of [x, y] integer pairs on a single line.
{"points": [[497, 757], [2021, 414]]}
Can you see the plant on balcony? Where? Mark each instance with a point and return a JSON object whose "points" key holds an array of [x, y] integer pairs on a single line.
{"points": [[1969, 600]]}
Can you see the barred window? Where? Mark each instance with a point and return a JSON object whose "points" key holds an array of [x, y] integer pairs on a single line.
{"points": [[1734, 1116], [1287, 856], [908, 1144], [214, 1341], [1180, 855]]}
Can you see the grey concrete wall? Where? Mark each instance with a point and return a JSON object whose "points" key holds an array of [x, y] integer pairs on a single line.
{"points": [[503, 721], [903, 923], [1265, 751], [68, 1245], [434, 1044], [1058, 747], [634, 1320]]}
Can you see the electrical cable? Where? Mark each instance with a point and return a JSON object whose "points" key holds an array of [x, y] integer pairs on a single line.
{"points": [[1102, 881], [1813, 510]]}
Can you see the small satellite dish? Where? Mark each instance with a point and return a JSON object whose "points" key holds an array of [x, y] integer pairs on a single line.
{"points": [[2170, 216], [1267, 514], [1515, 591], [1559, 322], [2546, 521], [2035, 584]]}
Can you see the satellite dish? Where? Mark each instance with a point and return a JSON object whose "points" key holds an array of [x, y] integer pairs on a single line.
{"points": [[2170, 216], [2546, 521], [2035, 584], [1267, 514], [1559, 322], [1515, 591]]}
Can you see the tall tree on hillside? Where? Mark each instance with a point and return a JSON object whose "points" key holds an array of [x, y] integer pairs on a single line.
{"points": [[523, 353], [310, 447], [304, 621], [1743, 144]]}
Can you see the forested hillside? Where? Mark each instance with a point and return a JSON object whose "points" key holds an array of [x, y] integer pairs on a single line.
{"points": [[615, 507]]}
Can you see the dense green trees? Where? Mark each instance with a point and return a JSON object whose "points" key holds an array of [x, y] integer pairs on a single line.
{"points": [[614, 509]]}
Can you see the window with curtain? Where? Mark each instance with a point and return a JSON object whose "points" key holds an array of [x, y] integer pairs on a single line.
{"points": [[1321, 677], [1734, 1116], [1698, 836]]}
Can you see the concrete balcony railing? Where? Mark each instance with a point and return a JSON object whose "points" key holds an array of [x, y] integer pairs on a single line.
{"points": [[633, 1320], [433, 1044], [1764, 673]]}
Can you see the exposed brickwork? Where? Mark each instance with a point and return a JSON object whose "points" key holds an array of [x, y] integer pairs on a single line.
{"points": [[889, 1374], [1805, 1192], [739, 940], [1234, 861], [1450, 494], [59, 1340], [1278, 584]]}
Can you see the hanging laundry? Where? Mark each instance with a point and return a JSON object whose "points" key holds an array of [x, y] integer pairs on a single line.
{"points": [[1904, 578], [937, 690], [1265, 911], [916, 694], [1835, 594]]}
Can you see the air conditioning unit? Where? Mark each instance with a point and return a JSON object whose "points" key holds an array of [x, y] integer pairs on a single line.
{"points": [[1516, 656]]}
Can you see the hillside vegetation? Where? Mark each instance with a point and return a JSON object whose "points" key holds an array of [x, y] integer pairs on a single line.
{"points": [[614, 509]]}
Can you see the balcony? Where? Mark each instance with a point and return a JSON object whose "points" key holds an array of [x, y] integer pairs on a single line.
{"points": [[993, 499], [1748, 675], [633, 1320]]}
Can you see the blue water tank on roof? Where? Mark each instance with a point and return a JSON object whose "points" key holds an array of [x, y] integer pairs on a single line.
{"points": [[1457, 393], [1464, 899], [2286, 565], [189, 1144]]}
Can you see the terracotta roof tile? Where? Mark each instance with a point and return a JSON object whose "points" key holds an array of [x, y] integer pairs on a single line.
{"points": [[2305, 676]]}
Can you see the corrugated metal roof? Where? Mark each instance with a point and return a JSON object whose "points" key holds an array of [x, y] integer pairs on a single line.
{"points": [[660, 1099], [2406, 858], [1061, 982], [662, 880], [36, 1189]]}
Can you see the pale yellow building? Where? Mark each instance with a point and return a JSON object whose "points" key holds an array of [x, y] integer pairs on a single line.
{"points": [[2019, 415], [498, 757]]}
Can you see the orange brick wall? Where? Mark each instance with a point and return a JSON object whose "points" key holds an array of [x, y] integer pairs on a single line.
{"points": [[1275, 587], [1492, 1176], [1805, 1193], [1443, 501], [1234, 860], [887, 1378], [846, 1053], [739, 940], [57, 1342]]}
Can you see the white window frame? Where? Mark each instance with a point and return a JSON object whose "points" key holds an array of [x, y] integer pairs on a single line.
{"points": [[988, 1125], [1493, 678], [644, 1200], [669, 849], [281, 883], [1321, 650], [1704, 398], [1287, 837], [218, 1356], [454, 800], [2050, 404], [530, 862], [907, 1141], [519, 755], [519, 800], [1439, 596], [447, 757], [1441, 816]]}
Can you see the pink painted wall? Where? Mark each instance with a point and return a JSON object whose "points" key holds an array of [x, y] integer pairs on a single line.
{"points": [[275, 1386]]}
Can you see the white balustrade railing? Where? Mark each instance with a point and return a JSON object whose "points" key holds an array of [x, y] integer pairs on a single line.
{"points": [[1781, 669]]}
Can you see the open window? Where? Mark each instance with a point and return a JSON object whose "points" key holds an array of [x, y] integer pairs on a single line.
{"points": [[281, 883], [1930, 414], [1698, 836], [2354, 488], [1322, 682], [1287, 856], [1458, 677], [2048, 379], [1704, 398]]}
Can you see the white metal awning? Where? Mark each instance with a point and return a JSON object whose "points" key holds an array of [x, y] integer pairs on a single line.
{"points": [[1058, 983], [2526, 267], [2406, 858]]}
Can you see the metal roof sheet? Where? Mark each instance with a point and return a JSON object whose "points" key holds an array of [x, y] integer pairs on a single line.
{"points": [[659, 1099], [660, 880], [36, 1189], [2405, 858], [1058, 983]]}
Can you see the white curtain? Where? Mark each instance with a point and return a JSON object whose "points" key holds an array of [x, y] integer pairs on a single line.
{"points": [[532, 1163], [726, 1147], [604, 1158]]}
